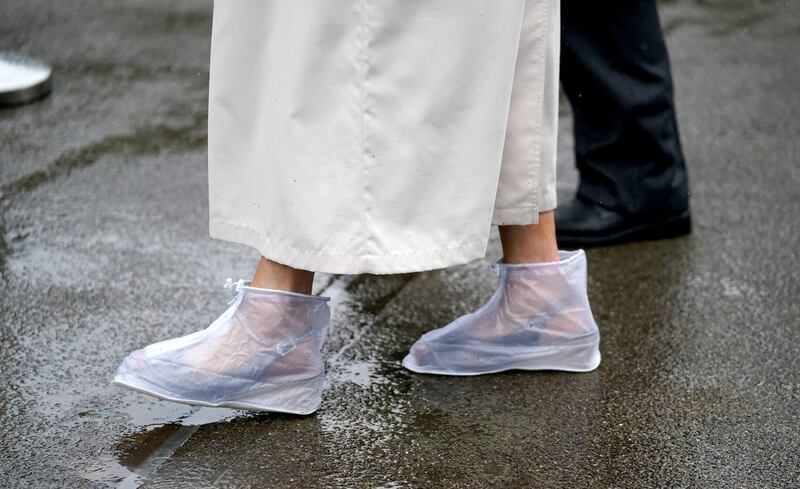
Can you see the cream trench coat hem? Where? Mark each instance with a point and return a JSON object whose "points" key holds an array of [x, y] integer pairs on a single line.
{"points": [[287, 253], [380, 136]]}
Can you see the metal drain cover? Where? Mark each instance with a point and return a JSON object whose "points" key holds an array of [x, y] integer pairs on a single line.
{"points": [[23, 79]]}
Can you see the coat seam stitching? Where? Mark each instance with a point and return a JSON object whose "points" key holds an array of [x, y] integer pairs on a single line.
{"points": [[544, 25], [365, 192]]}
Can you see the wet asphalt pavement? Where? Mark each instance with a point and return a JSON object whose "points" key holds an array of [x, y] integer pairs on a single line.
{"points": [[104, 249]]}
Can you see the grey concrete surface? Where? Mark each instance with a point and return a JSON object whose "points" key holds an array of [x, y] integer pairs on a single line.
{"points": [[105, 249]]}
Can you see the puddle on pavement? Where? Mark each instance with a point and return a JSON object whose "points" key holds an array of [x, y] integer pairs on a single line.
{"points": [[363, 374], [366, 375], [164, 427]]}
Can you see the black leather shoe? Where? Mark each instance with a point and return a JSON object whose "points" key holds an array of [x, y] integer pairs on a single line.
{"points": [[584, 224]]}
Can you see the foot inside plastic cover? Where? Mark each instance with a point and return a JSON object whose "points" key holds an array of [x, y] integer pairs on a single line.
{"points": [[262, 354], [538, 319]]}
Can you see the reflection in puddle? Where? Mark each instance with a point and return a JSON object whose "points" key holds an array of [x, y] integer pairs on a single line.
{"points": [[165, 427], [109, 471]]}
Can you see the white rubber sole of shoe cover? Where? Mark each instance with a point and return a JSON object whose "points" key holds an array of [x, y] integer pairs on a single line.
{"points": [[580, 357], [250, 403]]}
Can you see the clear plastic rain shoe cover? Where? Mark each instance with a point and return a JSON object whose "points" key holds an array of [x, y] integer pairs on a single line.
{"points": [[262, 354], [538, 319]]}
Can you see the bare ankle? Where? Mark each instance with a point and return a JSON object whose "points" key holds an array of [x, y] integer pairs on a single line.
{"points": [[530, 243], [533, 256], [274, 275]]}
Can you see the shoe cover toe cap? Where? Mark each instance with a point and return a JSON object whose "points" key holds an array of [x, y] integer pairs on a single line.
{"points": [[421, 356]]}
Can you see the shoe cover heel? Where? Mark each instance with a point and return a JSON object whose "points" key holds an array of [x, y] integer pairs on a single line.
{"points": [[579, 357], [297, 397]]}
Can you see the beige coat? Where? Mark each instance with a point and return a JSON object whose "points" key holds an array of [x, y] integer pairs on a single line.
{"points": [[380, 136]]}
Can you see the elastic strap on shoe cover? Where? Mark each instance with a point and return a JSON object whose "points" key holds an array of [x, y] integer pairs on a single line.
{"points": [[286, 345]]}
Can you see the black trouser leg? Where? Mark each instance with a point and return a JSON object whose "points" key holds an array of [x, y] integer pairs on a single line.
{"points": [[615, 71]]}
